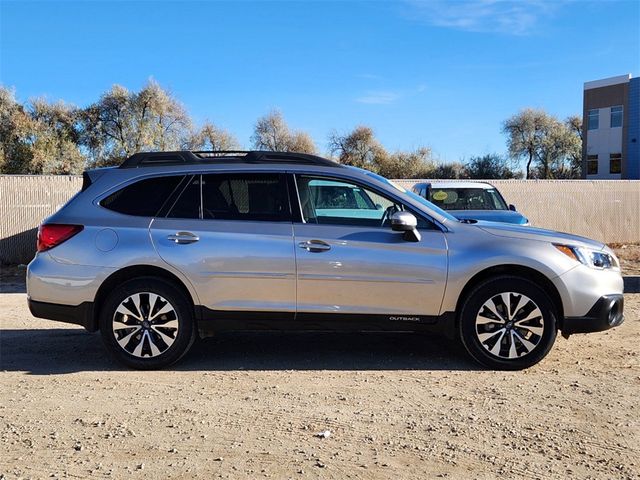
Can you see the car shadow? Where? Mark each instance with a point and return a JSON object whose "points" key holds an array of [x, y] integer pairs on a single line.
{"points": [[60, 351], [12, 279]]}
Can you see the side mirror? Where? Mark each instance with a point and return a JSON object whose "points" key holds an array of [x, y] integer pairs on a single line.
{"points": [[512, 207], [407, 223]]}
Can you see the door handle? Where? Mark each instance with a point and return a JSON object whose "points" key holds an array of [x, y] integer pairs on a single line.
{"points": [[183, 238], [315, 246]]}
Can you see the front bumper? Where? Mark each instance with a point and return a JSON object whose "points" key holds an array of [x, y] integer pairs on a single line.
{"points": [[606, 313]]}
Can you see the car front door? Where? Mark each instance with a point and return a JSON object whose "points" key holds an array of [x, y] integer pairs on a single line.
{"points": [[349, 261], [231, 235]]}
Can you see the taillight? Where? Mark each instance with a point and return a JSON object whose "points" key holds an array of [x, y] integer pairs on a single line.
{"points": [[54, 234]]}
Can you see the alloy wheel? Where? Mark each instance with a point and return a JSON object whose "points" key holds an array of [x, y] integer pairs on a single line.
{"points": [[145, 324], [509, 325]]}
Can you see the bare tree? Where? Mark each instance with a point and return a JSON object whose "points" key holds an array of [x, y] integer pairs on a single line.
{"points": [[358, 148], [301, 142], [449, 170], [549, 147], [15, 128], [490, 166], [55, 138], [574, 125], [211, 137], [39, 137], [525, 132], [560, 152], [272, 133], [414, 164], [122, 123]]}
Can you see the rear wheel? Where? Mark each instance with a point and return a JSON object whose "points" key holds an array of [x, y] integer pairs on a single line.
{"points": [[147, 323], [508, 323]]}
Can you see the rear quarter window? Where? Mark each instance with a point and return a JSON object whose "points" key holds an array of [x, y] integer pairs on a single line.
{"points": [[143, 198]]}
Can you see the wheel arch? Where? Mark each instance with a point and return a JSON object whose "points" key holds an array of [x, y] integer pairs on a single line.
{"points": [[129, 273], [527, 273]]}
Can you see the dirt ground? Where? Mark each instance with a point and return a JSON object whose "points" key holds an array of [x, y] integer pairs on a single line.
{"points": [[251, 406], [629, 256]]}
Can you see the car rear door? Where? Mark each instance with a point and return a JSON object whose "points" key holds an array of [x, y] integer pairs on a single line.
{"points": [[231, 235]]}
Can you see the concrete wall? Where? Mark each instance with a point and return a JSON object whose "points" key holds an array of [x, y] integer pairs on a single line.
{"points": [[607, 210]]}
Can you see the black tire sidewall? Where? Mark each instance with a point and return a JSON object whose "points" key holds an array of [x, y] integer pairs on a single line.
{"points": [[186, 330], [490, 288]]}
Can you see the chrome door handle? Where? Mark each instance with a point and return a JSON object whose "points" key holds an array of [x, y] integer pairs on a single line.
{"points": [[315, 246], [183, 237]]}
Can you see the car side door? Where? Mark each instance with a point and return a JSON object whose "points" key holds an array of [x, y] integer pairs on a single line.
{"points": [[350, 262], [231, 235]]}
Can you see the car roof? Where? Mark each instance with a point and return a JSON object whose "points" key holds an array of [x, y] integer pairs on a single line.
{"points": [[218, 157]]}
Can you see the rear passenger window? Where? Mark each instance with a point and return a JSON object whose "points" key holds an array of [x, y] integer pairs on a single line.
{"points": [[143, 198], [188, 205], [252, 196]]}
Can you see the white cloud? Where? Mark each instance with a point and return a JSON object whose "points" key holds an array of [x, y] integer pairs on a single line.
{"points": [[515, 17], [378, 97], [387, 97]]}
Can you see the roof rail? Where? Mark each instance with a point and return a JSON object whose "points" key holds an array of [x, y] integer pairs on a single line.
{"points": [[187, 157]]}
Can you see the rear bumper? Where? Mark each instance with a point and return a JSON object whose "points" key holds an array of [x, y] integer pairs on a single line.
{"points": [[77, 314], [606, 313]]}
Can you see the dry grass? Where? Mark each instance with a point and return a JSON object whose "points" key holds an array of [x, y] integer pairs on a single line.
{"points": [[629, 256]]}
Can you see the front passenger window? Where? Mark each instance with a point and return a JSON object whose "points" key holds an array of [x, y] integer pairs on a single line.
{"points": [[336, 202]]}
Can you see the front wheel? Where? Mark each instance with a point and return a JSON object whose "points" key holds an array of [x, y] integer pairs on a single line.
{"points": [[146, 323], [508, 323]]}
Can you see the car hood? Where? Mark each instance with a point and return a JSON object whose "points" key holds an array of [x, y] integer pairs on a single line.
{"points": [[540, 234], [506, 216]]}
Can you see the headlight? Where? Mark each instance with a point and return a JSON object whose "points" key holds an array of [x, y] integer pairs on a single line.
{"points": [[591, 258]]}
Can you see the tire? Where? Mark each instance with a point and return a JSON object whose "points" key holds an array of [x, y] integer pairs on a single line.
{"points": [[513, 339], [147, 323]]}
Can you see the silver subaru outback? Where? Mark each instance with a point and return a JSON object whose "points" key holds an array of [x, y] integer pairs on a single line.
{"points": [[172, 245]]}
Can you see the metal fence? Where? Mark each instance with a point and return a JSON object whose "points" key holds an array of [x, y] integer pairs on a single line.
{"points": [[25, 200], [607, 210]]}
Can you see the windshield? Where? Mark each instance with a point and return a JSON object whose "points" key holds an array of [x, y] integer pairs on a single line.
{"points": [[412, 195], [467, 199]]}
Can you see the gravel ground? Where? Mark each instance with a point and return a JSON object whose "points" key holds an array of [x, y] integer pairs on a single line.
{"points": [[251, 406]]}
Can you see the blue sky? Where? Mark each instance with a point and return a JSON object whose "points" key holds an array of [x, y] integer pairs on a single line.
{"points": [[444, 74]]}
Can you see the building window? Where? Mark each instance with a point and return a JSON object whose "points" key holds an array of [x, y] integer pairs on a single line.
{"points": [[616, 116], [615, 163], [592, 164], [593, 119]]}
